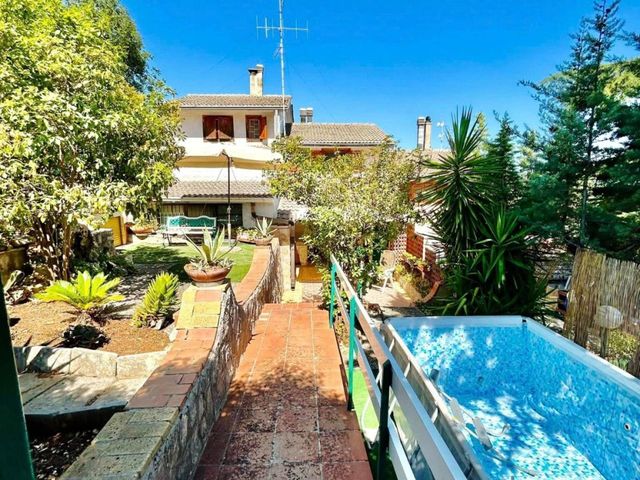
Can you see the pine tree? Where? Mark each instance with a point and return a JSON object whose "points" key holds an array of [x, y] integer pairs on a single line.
{"points": [[502, 150], [576, 109]]}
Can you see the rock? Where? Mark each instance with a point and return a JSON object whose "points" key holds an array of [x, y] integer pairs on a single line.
{"points": [[92, 363], [138, 365]]}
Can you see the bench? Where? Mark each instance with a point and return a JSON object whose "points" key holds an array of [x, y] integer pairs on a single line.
{"points": [[181, 225]]}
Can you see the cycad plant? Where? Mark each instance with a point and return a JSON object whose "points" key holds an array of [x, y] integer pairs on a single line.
{"points": [[461, 187], [211, 253], [89, 294], [157, 300]]}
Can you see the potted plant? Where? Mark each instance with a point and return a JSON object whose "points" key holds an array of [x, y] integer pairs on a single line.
{"points": [[209, 264], [143, 228], [264, 232], [246, 235]]}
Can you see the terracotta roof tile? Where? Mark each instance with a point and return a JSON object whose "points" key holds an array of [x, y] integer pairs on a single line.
{"points": [[197, 189], [338, 134], [233, 101]]}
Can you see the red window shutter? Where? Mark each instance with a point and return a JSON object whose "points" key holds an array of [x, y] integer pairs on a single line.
{"points": [[263, 128]]}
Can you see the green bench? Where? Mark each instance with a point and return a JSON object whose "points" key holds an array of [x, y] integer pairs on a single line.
{"points": [[181, 225]]}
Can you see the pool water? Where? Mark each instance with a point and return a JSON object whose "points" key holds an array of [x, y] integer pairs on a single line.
{"points": [[548, 414]]}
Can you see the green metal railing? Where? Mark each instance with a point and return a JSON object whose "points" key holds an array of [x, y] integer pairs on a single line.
{"points": [[389, 387], [15, 459]]}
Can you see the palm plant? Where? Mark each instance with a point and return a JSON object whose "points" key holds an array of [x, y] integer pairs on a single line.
{"points": [[498, 275], [460, 187], [211, 253], [87, 293]]}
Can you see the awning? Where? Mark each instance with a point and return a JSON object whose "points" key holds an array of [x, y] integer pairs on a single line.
{"points": [[213, 154]]}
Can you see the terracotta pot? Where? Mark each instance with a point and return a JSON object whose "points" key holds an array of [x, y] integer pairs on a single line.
{"points": [[263, 241], [243, 239], [209, 275]]}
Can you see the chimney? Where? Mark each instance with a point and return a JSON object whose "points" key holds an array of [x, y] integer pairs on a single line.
{"points": [[255, 80], [306, 115], [424, 133]]}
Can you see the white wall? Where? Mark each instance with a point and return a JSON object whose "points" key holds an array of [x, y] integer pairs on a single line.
{"points": [[192, 123]]}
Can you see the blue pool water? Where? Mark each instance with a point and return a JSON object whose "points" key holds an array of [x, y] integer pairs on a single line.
{"points": [[566, 420]]}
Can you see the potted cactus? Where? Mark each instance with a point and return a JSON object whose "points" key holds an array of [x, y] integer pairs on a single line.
{"points": [[209, 264]]}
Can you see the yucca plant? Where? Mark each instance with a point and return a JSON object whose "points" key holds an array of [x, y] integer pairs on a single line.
{"points": [[157, 300], [264, 227], [89, 294], [211, 253], [461, 187]]}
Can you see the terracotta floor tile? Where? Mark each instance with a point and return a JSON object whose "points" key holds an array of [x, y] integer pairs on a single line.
{"points": [[346, 471], [256, 420], [290, 447], [345, 446], [243, 472], [225, 421], [249, 448], [207, 472], [214, 451], [295, 472], [337, 418], [297, 419]]}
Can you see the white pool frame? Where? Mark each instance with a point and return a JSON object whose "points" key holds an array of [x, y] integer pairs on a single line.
{"points": [[621, 378]]}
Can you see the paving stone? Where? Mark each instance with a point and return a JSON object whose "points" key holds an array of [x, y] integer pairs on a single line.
{"points": [[138, 365], [32, 385], [166, 414], [92, 363], [69, 395], [128, 446]]}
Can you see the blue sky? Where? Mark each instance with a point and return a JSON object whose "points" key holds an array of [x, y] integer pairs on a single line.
{"points": [[372, 61]]}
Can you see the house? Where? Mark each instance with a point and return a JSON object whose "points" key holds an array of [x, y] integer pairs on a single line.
{"points": [[227, 146], [332, 138]]}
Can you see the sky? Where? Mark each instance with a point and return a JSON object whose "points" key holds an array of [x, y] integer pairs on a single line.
{"points": [[372, 61]]}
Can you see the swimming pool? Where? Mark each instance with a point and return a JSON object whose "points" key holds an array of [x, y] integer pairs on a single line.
{"points": [[551, 409]]}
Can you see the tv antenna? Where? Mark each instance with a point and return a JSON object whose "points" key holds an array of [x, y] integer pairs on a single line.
{"points": [[280, 28]]}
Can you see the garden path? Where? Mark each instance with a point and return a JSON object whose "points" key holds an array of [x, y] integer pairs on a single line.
{"points": [[286, 416]]}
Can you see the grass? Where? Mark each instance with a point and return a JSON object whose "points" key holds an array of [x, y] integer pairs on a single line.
{"points": [[177, 256]]}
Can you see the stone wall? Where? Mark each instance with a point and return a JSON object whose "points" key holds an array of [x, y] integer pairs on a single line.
{"points": [[166, 425]]}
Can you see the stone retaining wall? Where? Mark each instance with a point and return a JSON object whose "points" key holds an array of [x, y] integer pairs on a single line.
{"points": [[166, 425]]}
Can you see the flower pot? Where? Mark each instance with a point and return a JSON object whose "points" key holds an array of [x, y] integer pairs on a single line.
{"points": [[261, 242], [245, 239], [141, 232], [208, 275]]}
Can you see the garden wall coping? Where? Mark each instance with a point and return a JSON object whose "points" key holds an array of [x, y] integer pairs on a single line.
{"points": [[167, 422]]}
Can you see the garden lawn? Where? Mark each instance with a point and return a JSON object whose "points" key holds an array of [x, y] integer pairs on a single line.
{"points": [[177, 256]]}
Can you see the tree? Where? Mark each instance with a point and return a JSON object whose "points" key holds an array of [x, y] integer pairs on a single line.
{"points": [[357, 203], [528, 155], [78, 139], [575, 107], [461, 187], [501, 149]]}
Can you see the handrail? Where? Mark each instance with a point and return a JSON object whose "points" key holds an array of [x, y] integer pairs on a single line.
{"points": [[439, 458]]}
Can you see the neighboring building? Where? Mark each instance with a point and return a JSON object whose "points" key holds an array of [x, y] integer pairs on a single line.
{"points": [[217, 128], [332, 138]]}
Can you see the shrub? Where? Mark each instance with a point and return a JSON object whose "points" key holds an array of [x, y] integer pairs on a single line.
{"points": [[84, 336], [87, 293], [157, 300]]}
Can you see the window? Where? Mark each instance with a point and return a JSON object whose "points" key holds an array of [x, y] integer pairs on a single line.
{"points": [[256, 127], [217, 128]]}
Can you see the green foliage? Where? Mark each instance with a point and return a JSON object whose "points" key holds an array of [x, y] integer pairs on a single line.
{"points": [[84, 335], [157, 300], [85, 131], [462, 187], [87, 293], [584, 189], [622, 348], [501, 152], [497, 276], [211, 253], [356, 202], [120, 264], [264, 227]]}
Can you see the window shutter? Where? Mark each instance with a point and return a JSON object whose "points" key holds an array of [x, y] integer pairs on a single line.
{"points": [[225, 128], [263, 128], [209, 127]]}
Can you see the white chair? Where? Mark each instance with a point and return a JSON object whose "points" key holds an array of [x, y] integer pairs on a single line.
{"points": [[388, 261]]}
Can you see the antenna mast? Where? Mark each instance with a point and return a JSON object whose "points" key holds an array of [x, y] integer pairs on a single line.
{"points": [[280, 51]]}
